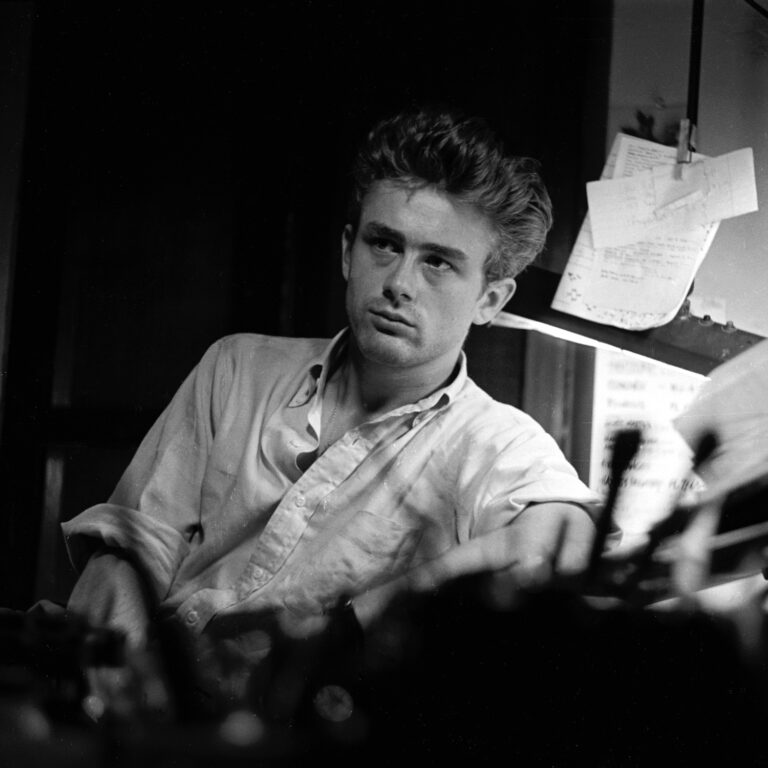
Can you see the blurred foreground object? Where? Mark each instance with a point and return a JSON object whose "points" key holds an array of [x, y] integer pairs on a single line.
{"points": [[464, 671], [581, 670], [733, 405]]}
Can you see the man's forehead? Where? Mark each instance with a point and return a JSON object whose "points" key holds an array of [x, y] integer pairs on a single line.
{"points": [[410, 191], [426, 211]]}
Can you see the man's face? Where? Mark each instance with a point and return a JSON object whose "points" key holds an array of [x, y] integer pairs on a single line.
{"points": [[415, 277]]}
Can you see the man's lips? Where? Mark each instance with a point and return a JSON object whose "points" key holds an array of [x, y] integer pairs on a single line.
{"points": [[392, 317]]}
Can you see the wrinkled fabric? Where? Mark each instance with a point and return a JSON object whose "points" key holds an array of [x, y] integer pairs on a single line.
{"points": [[229, 509]]}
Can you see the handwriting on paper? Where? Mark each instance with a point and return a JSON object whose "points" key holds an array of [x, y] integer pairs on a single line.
{"points": [[652, 203], [635, 286]]}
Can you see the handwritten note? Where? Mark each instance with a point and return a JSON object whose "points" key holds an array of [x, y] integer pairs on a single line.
{"points": [[652, 203], [635, 286]]}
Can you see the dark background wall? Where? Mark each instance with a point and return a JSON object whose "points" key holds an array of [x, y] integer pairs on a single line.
{"points": [[184, 177]]}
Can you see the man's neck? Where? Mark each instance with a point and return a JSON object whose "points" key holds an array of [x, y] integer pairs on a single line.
{"points": [[370, 389], [358, 391]]}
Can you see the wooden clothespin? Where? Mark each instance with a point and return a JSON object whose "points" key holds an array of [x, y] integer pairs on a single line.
{"points": [[685, 146]]}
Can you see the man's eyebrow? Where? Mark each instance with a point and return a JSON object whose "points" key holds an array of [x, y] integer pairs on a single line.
{"points": [[445, 251], [377, 229]]}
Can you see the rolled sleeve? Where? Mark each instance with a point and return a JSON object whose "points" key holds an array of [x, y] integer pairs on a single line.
{"points": [[159, 547], [512, 474], [154, 511]]}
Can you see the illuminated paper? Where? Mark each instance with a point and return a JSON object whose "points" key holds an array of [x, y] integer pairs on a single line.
{"points": [[733, 406], [632, 392], [634, 286], [652, 203]]}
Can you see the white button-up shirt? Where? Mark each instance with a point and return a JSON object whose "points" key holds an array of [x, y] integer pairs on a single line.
{"points": [[229, 510]]}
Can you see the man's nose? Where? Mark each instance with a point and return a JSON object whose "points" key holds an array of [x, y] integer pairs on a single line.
{"points": [[400, 281]]}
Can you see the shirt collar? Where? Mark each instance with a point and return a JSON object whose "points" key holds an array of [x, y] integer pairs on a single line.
{"points": [[445, 394], [318, 370]]}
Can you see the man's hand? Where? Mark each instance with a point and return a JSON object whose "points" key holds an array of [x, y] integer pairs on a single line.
{"points": [[544, 540], [108, 593]]}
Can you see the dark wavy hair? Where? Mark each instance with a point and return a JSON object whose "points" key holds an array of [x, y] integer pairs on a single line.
{"points": [[463, 158]]}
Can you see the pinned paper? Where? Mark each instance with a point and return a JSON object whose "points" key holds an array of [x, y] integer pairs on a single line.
{"points": [[654, 203], [635, 286]]}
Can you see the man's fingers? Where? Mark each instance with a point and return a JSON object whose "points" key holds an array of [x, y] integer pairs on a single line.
{"points": [[536, 546], [573, 556], [487, 553]]}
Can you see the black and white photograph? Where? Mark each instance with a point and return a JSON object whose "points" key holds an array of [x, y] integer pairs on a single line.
{"points": [[383, 383]]}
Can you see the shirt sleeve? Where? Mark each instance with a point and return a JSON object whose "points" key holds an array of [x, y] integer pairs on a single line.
{"points": [[513, 468], [155, 508]]}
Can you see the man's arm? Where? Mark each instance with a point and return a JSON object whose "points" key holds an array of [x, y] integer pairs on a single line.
{"points": [[109, 593], [152, 514], [545, 539]]}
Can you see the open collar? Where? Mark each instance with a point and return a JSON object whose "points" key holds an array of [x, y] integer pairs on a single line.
{"points": [[319, 369]]}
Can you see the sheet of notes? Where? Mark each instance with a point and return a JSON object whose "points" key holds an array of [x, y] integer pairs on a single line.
{"points": [[643, 284], [653, 203]]}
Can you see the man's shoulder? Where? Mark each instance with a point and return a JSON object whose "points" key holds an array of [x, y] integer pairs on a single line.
{"points": [[253, 345], [256, 357], [477, 406]]}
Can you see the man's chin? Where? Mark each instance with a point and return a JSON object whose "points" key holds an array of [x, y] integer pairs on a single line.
{"points": [[386, 349]]}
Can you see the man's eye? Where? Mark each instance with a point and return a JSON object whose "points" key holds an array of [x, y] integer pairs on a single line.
{"points": [[438, 263], [382, 245]]}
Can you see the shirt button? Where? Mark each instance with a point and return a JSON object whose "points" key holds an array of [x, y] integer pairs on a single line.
{"points": [[300, 501], [192, 617]]}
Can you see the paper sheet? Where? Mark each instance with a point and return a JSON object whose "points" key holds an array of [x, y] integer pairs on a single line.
{"points": [[733, 405], [653, 203], [635, 286], [633, 392]]}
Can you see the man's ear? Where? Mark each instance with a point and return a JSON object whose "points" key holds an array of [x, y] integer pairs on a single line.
{"points": [[493, 298], [347, 239]]}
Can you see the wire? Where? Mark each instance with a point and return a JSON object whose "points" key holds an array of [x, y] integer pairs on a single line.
{"points": [[694, 66], [759, 8]]}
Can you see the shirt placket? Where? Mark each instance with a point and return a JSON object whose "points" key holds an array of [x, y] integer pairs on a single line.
{"points": [[300, 503], [290, 520]]}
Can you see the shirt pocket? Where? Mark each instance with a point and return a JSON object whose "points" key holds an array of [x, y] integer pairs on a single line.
{"points": [[366, 551]]}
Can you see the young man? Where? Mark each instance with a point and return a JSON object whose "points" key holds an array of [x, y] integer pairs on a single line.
{"points": [[287, 473]]}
